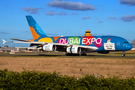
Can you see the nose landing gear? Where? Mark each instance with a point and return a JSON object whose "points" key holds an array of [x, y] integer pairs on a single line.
{"points": [[123, 55]]}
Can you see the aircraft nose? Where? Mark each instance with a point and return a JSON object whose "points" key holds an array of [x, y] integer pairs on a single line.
{"points": [[129, 46]]}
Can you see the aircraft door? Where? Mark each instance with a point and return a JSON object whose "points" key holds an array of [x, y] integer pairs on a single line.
{"points": [[118, 46]]}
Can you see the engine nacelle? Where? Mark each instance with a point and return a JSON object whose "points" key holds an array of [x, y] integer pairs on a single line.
{"points": [[103, 52], [49, 47], [73, 49]]}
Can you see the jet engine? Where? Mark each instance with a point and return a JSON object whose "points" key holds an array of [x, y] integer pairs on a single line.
{"points": [[73, 49], [49, 47]]}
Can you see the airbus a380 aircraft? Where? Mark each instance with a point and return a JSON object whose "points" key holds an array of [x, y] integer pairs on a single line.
{"points": [[74, 44]]}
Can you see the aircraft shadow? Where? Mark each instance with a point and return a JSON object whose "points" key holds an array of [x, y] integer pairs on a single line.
{"points": [[58, 55]]}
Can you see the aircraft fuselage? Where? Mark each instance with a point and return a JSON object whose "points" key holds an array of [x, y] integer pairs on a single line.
{"points": [[103, 43]]}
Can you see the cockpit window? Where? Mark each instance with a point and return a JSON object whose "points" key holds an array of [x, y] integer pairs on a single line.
{"points": [[126, 42]]}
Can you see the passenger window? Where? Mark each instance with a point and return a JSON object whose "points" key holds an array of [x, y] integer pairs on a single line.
{"points": [[125, 42]]}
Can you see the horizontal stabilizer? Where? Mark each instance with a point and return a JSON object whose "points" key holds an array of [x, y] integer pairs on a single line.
{"points": [[3, 41], [19, 40]]}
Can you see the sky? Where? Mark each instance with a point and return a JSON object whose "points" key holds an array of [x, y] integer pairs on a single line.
{"points": [[67, 18]]}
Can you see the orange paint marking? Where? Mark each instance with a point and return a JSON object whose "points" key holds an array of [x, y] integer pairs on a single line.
{"points": [[55, 38], [34, 34], [82, 36], [31, 40]]}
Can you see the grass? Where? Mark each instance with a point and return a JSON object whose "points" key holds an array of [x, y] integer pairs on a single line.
{"points": [[71, 64]]}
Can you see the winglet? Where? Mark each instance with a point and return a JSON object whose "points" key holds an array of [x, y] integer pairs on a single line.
{"points": [[3, 41]]}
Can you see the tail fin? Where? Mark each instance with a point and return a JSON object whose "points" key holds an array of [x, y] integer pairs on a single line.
{"points": [[35, 28]]}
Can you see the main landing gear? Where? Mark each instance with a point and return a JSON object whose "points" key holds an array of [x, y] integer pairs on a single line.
{"points": [[123, 55], [82, 54], [79, 54]]}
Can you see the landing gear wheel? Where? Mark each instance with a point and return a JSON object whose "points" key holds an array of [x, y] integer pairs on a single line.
{"points": [[67, 54], [84, 54], [79, 54], [123, 55]]}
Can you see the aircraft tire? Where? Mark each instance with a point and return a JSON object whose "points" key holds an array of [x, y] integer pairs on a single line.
{"points": [[123, 55], [84, 54], [79, 54], [67, 54]]}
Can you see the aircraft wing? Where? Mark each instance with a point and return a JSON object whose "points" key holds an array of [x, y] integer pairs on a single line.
{"points": [[90, 48]]}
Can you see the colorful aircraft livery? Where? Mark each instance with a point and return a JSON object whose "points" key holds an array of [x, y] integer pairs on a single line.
{"points": [[88, 40], [74, 44]]}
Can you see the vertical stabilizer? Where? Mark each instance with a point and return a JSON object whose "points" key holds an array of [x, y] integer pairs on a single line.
{"points": [[35, 28]]}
